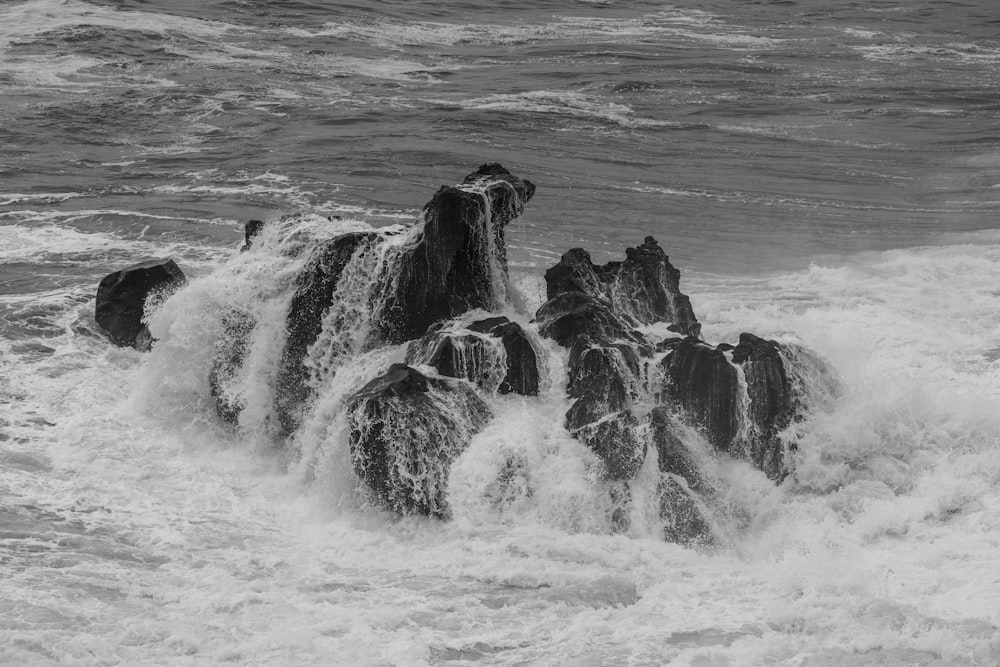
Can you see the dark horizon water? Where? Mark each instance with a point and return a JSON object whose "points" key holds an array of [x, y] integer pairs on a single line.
{"points": [[822, 172], [746, 136]]}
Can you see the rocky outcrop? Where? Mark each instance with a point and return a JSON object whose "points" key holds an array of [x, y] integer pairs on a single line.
{"points": [[314, 294], [456, 260], [122, 295], [594, 310], [643, 289], [250, 231], [742, 397], [604, 381], [700, 380], [358, 297], [406, 429], [771, 400], [496, 355]]}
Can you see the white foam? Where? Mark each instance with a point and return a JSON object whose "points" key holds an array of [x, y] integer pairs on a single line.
{"points": [[690, 25], [155, 535], [565, 103]]}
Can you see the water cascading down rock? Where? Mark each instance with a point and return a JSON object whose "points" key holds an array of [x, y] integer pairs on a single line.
{"points": [[640, 377], [740, 398]]}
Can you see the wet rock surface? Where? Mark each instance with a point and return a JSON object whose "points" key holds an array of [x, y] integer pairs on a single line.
{"points": [[315, 293], [458, 260], [121, 299], [497, 356], [642, 384], [406, 429]]}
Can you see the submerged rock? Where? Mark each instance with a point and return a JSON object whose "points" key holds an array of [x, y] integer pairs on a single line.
{"points": [[497, 356], [673, 454], [683, 514], [230, 352], [406, 429], [457, 261], [122, 295]]}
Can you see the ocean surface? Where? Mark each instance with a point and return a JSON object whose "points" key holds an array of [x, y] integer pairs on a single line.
{"points": [[821, 171]]}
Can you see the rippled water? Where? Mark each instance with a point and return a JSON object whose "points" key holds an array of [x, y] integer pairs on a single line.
{"points": [[822, 171]]}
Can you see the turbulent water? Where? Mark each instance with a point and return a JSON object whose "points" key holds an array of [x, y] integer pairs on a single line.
{"points": [[821, 172]]}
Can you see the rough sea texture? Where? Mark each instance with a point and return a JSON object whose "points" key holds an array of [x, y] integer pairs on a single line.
{"points": [[821, 172]]}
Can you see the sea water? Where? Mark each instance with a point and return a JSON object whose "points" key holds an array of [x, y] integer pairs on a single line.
{"points": [[822, 173]]}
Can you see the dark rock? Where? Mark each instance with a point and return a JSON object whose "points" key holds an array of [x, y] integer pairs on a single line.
{"points": [[121, 299], [230, 351], [251, 230], [603, 381], [406, 429], [674, 456], [573, 316], [699, 379], [643, 289], [522, 375], [498, 357], [771, 400], [316, 287], [684, 520], [457, 261], [744, 419]]}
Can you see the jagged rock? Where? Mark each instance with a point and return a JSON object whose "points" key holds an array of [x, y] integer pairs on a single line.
{"points": [[230, 351], [572, 316], [406, 429], [699, 379], [316, 287], [643, 289], [250, 231], [603, 381], [121, 299], [498, 356], [744, 419], [457, 261]]}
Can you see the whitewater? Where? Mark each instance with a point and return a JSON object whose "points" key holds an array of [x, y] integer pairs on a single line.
{"points": [[821, 174]]}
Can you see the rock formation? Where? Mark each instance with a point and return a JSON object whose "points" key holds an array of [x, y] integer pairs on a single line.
{"points": [[406, 429], [457, 260], [121, 300], [594, 310], [636, 392], [495, 354], [316, 287]]}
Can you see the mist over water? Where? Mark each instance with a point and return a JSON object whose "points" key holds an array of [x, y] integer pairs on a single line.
{"points": [[824, 174]]}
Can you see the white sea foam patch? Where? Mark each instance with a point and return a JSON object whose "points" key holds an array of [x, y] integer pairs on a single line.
{"points": [[564, 103], [20, 21], [964, 52], [138, 530], [391, 69], [41, 236], [8, 198], [686, 25]]}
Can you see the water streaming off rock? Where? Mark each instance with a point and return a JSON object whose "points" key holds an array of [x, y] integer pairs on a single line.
{"points": [[822, 176]]}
